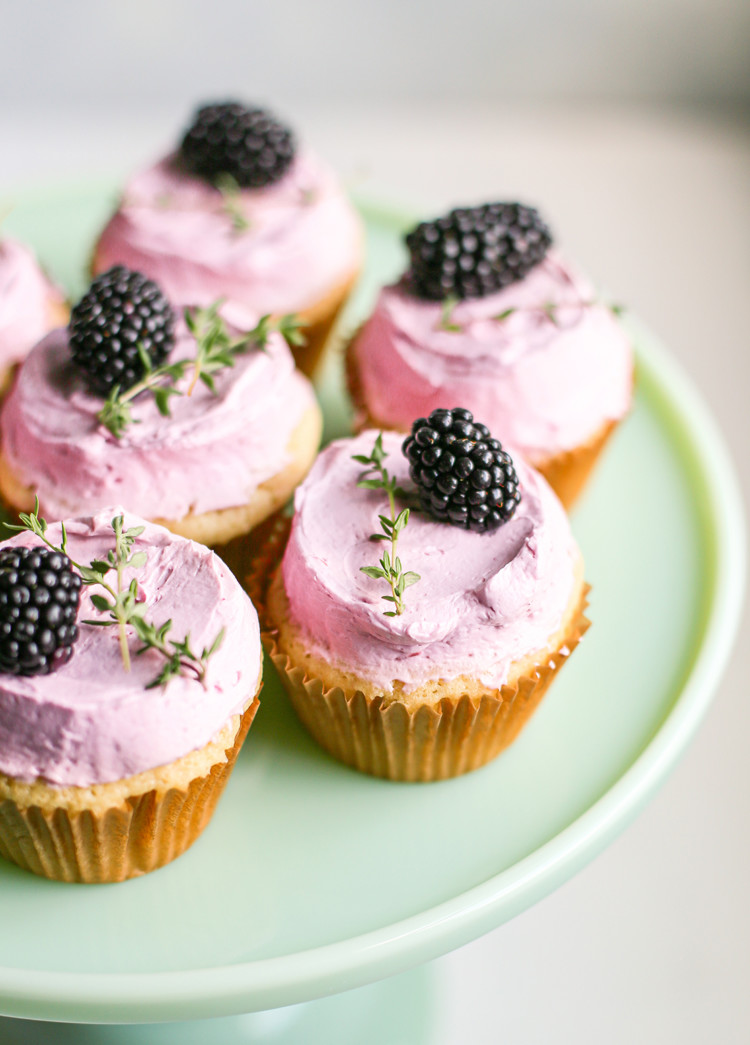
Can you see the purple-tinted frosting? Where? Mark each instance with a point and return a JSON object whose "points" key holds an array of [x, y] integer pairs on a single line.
{"points": [[483, 601], [27, 302], [303, 237], [212, 453], [90, 721], [542, 362]]}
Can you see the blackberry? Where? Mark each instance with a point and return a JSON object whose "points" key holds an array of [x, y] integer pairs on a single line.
{"points": [[463, 475], [120, 311], [228, 138], [475, 251], [39, 595]]}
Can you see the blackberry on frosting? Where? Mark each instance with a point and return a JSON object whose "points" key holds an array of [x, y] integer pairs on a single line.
{"points": [[475, 251], [247, 143], [463, 475], [39, 596], [122, 317]]}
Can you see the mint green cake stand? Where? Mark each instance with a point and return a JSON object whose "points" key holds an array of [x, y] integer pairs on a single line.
{"points": [[313, 879]]}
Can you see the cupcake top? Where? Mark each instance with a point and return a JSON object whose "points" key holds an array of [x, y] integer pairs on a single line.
{"points": [[212, 452], [279, 248], [542, 361], [482, 601], [89, 720], [30, 304]]}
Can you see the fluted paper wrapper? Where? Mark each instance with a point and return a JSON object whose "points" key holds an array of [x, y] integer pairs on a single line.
{"points": [[145, 832], [319, 320], [384, 738], [567, 472]]}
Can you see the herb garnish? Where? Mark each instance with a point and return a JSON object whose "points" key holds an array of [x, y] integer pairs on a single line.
{"points": [[390, 568], [550, 309], [446, 321], [216, 349], [232, 194], [125, 604]]}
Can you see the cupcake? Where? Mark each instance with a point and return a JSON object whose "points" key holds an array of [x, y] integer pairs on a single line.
{"points": [[490, 315], [191, 424], [116, 742], [238, 211], [426, 662], [30, 306]]}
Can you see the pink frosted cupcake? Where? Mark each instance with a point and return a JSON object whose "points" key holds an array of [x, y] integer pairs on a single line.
{"points": [[111, 759], [239, 212], [210, 448], [488, 315], [30, 306], [478, 615]]}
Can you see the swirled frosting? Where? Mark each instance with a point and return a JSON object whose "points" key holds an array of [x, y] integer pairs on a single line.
{"points": [[28, 302], [213, 452], [90, 721], [542, 363], [483, 600], [303, 237]]}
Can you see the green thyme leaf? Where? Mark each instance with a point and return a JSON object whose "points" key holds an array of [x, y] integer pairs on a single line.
{"points": [[505, 314], [446, 316], [389, 568], [232, 197]]}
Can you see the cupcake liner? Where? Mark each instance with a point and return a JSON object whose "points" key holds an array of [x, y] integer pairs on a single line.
{"points": [[146, 831], [319, 320], [567, 472], [386, 739], [362, 418], [241, 553]]}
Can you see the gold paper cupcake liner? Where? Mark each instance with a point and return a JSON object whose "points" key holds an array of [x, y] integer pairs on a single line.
{"points": [[319, 320], [383, 737], [141, 834], [567, 472]]}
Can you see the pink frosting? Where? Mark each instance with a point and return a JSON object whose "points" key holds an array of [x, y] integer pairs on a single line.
{"points": [[92, 722], [543, 386], [27, 298], [212, 453], [304, 237], [483, 601]]}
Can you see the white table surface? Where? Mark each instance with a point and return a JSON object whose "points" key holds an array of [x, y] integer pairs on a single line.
{"points": [[651, 942]]}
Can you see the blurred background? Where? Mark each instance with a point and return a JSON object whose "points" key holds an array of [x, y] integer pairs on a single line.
{"points": [[629, 124], [146, 53]]}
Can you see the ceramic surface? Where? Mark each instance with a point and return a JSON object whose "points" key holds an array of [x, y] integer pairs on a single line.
{"points": [[313, 879]]}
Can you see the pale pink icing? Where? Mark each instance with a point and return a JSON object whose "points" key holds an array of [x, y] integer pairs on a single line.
{"points": [[90, 721], [304, 237], [483, 601], [27, 299], [212, 453], [542, 386]]}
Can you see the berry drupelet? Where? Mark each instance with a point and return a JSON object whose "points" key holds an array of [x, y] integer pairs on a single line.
{"points": [[229, 138], [475, 251], [39, 596], [122, 315], [463, 475]]}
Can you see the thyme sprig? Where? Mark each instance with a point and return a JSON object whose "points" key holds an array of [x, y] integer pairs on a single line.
{"points": [[231, 195], [125, 604], [446, 321], [216, 349], [390, 568], [549, 309]]}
